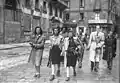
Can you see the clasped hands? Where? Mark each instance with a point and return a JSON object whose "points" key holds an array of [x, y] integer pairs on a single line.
{"points": [[32, 44]]}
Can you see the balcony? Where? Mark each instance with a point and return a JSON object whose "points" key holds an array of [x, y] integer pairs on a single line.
{"points": [[59, 3], [37, 7], [44, 11]]}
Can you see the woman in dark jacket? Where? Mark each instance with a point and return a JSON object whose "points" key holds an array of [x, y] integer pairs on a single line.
{"points": [[71, 45], [37, 45]]}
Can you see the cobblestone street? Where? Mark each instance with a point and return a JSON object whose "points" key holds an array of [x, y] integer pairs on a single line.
{"points": [[14, 68]]}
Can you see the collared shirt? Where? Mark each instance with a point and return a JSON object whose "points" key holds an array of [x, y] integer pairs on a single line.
{"points": [[56, 40]]}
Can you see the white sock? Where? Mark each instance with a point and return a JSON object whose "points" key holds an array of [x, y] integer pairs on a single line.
{"points": [[68, 71], [53, 69]]}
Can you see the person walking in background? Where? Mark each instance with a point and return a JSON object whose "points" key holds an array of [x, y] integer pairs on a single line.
{"points": [[55, 52], [82, 39], [80, 50], [37, 45], [96, 42], [108, 54], [71, 57]]}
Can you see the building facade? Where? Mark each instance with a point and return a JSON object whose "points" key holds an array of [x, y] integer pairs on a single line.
{"points": [[89, 13], [18, 18]]}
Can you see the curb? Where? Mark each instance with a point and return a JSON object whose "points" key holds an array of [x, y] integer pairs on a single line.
{"points": [[12, 47]]}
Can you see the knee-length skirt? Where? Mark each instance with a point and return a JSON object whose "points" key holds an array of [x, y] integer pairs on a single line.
{"points": [[55, 54], [71, 59]]}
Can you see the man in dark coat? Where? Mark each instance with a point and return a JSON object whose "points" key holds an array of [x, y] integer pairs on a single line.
{"points": [[108, 54]]}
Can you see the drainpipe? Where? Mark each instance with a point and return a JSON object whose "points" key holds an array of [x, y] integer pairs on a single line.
{"points": [[31, 19], [41, 14], [32, 11], [108, 11], [4, 21]]}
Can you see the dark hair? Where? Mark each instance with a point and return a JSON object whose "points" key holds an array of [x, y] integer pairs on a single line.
{"points": [[41, 32], [58, 28]]}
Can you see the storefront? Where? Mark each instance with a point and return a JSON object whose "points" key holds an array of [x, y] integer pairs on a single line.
{"points": [[104, 24], [70, 25]]}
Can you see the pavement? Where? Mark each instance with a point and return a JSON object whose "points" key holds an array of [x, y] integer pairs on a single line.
{"points": [[14, 68]]}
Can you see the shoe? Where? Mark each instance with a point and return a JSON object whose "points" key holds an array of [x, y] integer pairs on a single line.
{"points": [[35, 75], [74, 74], [96, 66], [38, 76], [52, 77], [80, 66], [110, 68], [58, 73], [96, 70], [67, 79]]}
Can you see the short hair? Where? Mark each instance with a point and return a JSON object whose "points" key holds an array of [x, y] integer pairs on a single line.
{"points": [[98, 26], [58, 28], [41, 32]]}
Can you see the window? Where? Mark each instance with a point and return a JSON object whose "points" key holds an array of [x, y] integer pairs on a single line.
{"points": [[10, 4], [12, 15], [81, 3], [16, 16], [27, 3], [67, 2], [97, 16], [60, 13], [81, 16], [67, 17], [56, 12], [37, 4], [44, 7], [51, 10]]}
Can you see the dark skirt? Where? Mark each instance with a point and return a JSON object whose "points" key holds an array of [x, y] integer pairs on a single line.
{"points": [[71, 60], [55, 54]]}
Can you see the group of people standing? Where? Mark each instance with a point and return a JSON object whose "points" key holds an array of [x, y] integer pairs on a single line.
{"points": [[67, 48]]}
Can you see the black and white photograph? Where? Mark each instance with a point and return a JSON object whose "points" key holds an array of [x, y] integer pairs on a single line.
{"points": [[59, 41]]}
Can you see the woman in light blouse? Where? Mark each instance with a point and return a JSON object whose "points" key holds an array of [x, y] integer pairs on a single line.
{"points": [[55, 52]]}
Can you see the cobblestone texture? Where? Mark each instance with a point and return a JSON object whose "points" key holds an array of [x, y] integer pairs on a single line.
{"points": [[15, 69]]}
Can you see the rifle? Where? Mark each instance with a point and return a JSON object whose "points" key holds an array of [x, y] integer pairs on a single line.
{"points": [[49, 60], [49, 63]]}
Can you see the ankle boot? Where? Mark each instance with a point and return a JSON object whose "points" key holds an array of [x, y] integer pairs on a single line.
{"points": [[58, 73], [110, 65], [92, 66], [67, 79], [52, 77], [96, 66]]}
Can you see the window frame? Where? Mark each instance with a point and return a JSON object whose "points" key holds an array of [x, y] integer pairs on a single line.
{"points": [[27, 4], [37, 5], [44, 7]]}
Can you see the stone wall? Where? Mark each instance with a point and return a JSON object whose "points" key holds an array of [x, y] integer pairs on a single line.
{"points": [[1, 25], [12, 32]]}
